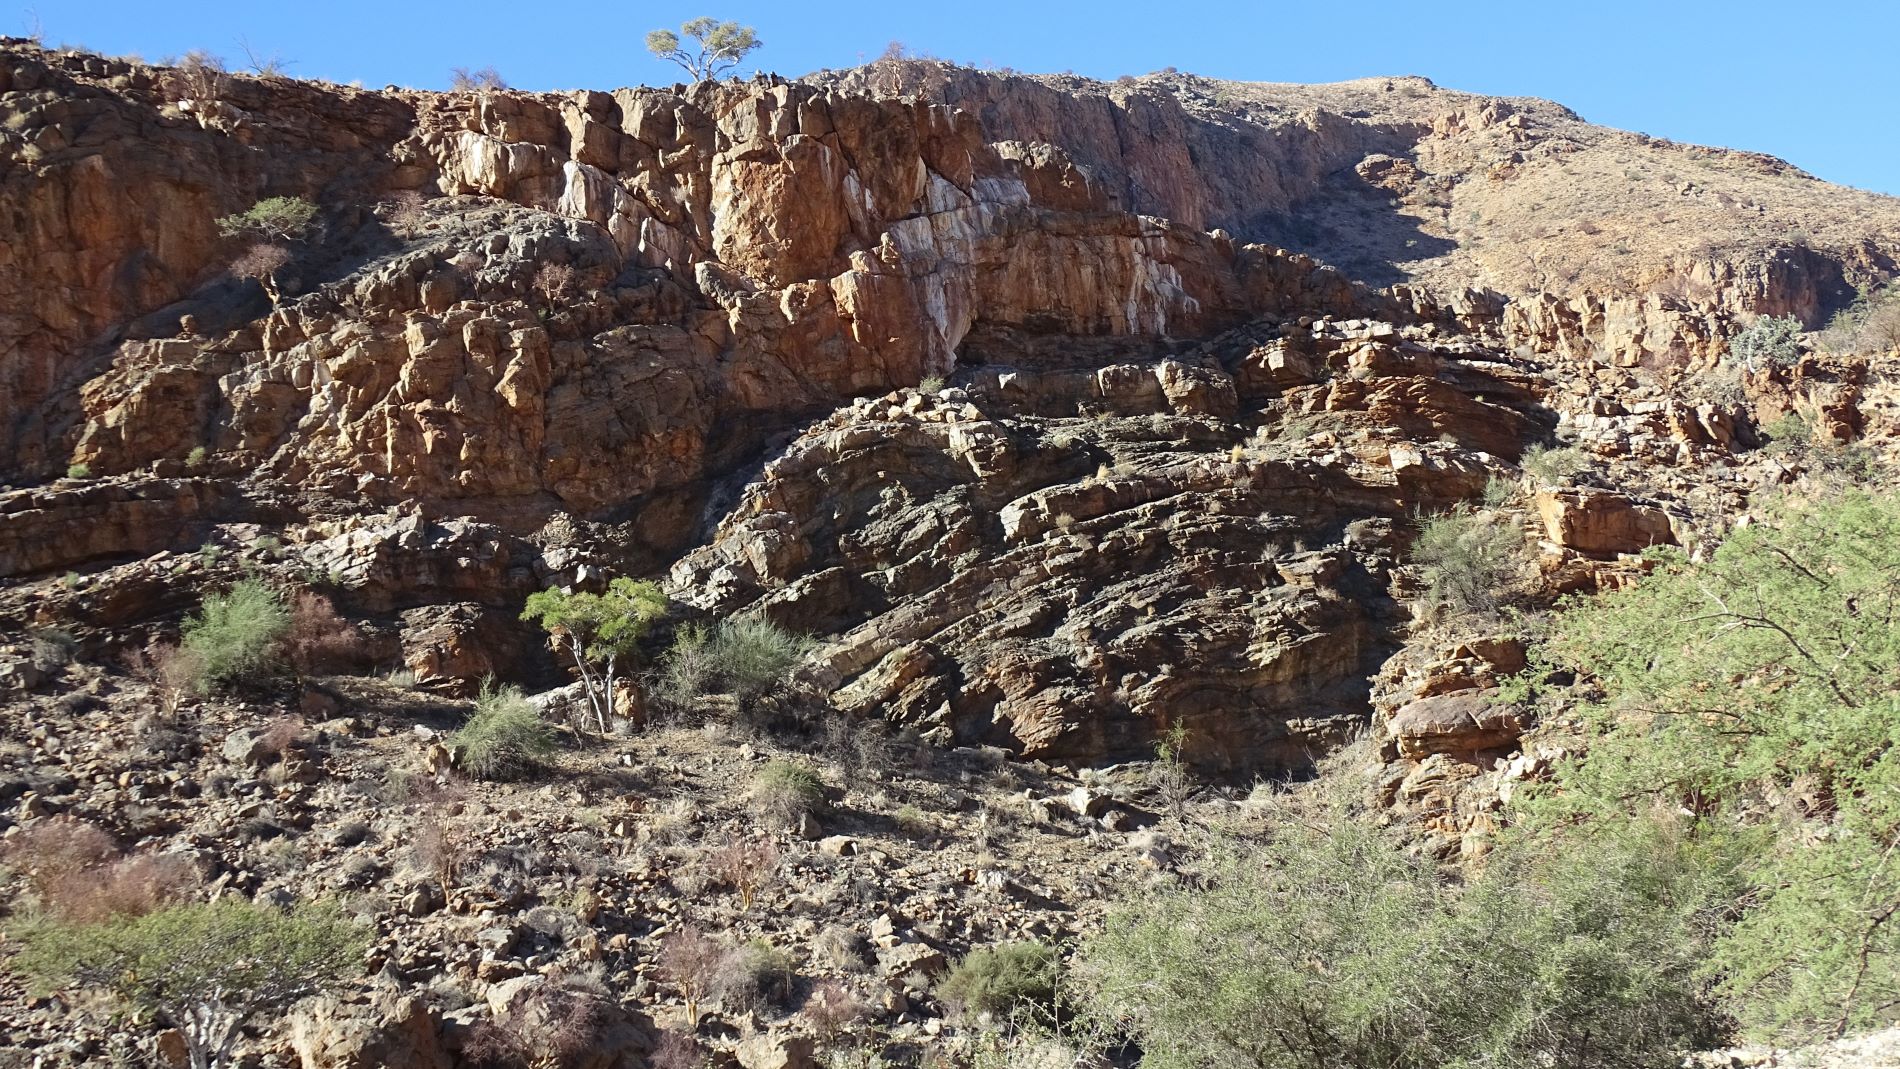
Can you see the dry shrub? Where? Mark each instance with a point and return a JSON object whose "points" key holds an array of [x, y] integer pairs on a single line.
{"points": [[75, 873], [45, 852], [198, 76], [463, 80], [282, 735], [677, 1050], [260, 261], [549, 1024], [319, 640], [691, 960], [405, 211], [746, 867], [753, 976], [441, 844], [833, 1008], [553, 282], [166, 668]]}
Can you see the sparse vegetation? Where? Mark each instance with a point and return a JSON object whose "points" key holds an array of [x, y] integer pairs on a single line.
{"points": [[486, 79], [79, 471], [1469, 561], [234, 637], [195, 458], [200, 78], [745, 657], [1003, 981], [711, 47], [555, 1023], [1553, 466], [505, 738], [1769, 342], [600, 632], [318, 640], [930, 385], [691, 960], [746, 865], [1170, 772], [209, 968], [1870, 325], [786, 793], [752, 976]]}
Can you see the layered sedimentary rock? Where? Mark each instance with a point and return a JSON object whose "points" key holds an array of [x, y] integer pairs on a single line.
{"points": [[542, 339]]}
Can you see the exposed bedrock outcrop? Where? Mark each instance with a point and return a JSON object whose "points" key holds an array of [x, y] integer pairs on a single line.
{"points": [[1068, 562]]}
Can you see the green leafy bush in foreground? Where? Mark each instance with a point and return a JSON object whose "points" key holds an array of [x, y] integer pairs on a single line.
{"points": [[1756, 692], [208, 968], [1331, 945]]}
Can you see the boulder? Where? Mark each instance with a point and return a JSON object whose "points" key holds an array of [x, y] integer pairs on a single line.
{"points": [[775, 1050], [1598, 523], [390, 1030], [1459, 723]]}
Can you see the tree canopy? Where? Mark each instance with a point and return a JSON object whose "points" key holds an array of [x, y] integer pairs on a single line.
{"points": [[715, 47]]}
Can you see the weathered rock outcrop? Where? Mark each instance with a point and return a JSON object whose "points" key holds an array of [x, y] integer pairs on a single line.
{"points": [[1000, 567]]}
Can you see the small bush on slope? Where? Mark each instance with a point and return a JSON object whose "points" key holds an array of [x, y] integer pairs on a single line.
{"points": [[505, 738], [783, 792], [1769, 342], [1469, 561], [1003, 980], [235, 635], [743, 656], [1756, 693]]}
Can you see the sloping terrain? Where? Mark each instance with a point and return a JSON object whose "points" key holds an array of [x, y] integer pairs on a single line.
{"points": [[1065, 419]]}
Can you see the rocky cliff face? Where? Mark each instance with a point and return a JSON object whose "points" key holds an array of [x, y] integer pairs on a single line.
{"points": [[554, 338]]}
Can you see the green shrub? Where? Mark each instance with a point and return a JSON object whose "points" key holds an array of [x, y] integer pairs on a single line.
{"points": [[1499, 492], [1755, 692], [234, 637], [207, 968], [746, 657], [785, 792], [1768, 342], [1555, 465], [930, 384], [78, 471], [1332, 945], [1469, 561], [1003, 981], [505, 738], [196, 457], [753, 975], [273, 219]]}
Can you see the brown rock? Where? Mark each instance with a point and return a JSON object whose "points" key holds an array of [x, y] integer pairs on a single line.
{"points": [[392, 1029], [1601, 524], [775, 1050], [1460, 723]]}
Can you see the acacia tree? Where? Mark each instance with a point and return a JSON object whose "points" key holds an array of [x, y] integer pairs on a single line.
{"points": [[1754, 692], [206, 968], [716, 46], [599, 631], [272, 224]]}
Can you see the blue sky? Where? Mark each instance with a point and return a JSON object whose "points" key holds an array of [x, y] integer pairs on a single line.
{"points": [[1811, 82]]}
